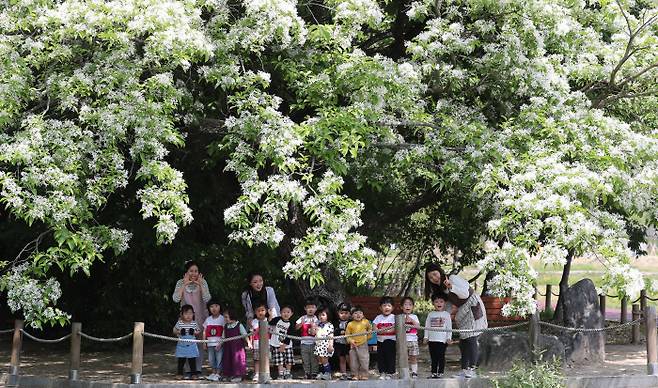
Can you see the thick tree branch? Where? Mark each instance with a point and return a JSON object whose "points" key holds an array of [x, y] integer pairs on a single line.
{"points": [[638, 74], [625, 95], [214, 126], [611, 90], [391, 215]]}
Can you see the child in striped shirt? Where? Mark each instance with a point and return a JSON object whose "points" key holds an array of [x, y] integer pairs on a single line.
{"points": [[187, 328], [412, 334]]}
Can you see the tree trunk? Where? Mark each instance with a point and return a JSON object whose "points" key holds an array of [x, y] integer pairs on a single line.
{"points": [[332, 291], [564, 286], [487, 279], [405, 290]]}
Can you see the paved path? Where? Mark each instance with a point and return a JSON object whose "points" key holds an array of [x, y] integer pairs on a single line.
{"points": [[112, 363]]}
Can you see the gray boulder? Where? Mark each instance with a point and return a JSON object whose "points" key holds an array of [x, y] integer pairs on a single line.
{"points": [[500, 350], [581, 309]]}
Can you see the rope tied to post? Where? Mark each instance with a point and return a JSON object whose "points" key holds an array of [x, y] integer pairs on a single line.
{"points": [[485, 330], [97, 339], [197, 341], [6, 331], [294, 337], [45, 341], [593, 330]]}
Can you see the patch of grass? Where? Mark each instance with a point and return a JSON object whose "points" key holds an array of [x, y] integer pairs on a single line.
{"points": [[546, 314], [533, 375]]}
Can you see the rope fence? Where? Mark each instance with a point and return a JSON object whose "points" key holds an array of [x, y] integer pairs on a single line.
{"points": [[45, 341], [484, 330], [593, 330], [197, 341], [96, 339], [648, 318], [360, 334]]}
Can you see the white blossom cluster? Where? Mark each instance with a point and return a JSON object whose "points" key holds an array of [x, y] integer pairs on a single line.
{"points": [[14, 82], [260, 132], [269, 23], [349, 20], [549, 203], [515, 278], [378, 87], [90, 89], [258, 212], [357, 12], [332, 239], [31, 297], [162, 198], [263, 228], [569, 179], [118, 106]]}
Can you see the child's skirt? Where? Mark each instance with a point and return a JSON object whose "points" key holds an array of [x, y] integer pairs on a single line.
{"points": [[187, 349], [234, 360]]}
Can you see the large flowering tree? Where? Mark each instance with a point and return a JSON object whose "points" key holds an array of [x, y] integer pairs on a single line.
{"points": [[534, 120]]}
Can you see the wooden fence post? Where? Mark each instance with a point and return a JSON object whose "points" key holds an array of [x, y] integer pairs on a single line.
{"points": [[138, 354], [643, 300], [652, 337], [549, 295], [636, 328], [624, 310], [16, 345], [401, 343], [263, 352], [533, 336], [74, 366], [602, 305]]}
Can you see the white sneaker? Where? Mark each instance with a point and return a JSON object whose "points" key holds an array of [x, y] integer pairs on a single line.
{"points": [[382, 377], [255, 378], [470, 373], [215, 377], [462, 374], [236, 379]]}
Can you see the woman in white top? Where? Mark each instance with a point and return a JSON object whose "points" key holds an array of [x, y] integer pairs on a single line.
{"points": [[256, 291], [471, 313]]}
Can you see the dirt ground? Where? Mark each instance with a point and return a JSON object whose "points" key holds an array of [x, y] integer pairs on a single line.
{"points": [[111, 363]]}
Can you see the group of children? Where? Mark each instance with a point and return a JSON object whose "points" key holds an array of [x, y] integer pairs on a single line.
{"points": [[436, 340], [343, 338]]}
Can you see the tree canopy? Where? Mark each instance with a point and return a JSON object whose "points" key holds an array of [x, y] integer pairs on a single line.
{"points": [[503, 130]]}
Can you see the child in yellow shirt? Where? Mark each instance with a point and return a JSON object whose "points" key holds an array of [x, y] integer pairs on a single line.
{"points": [[359, 355]]}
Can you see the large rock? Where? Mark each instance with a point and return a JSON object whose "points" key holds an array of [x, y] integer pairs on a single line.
{"points": [[581, 309], [500, 350]]}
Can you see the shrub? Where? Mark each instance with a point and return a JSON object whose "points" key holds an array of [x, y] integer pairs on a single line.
{"points": [[547, 314], [533, 375]]}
